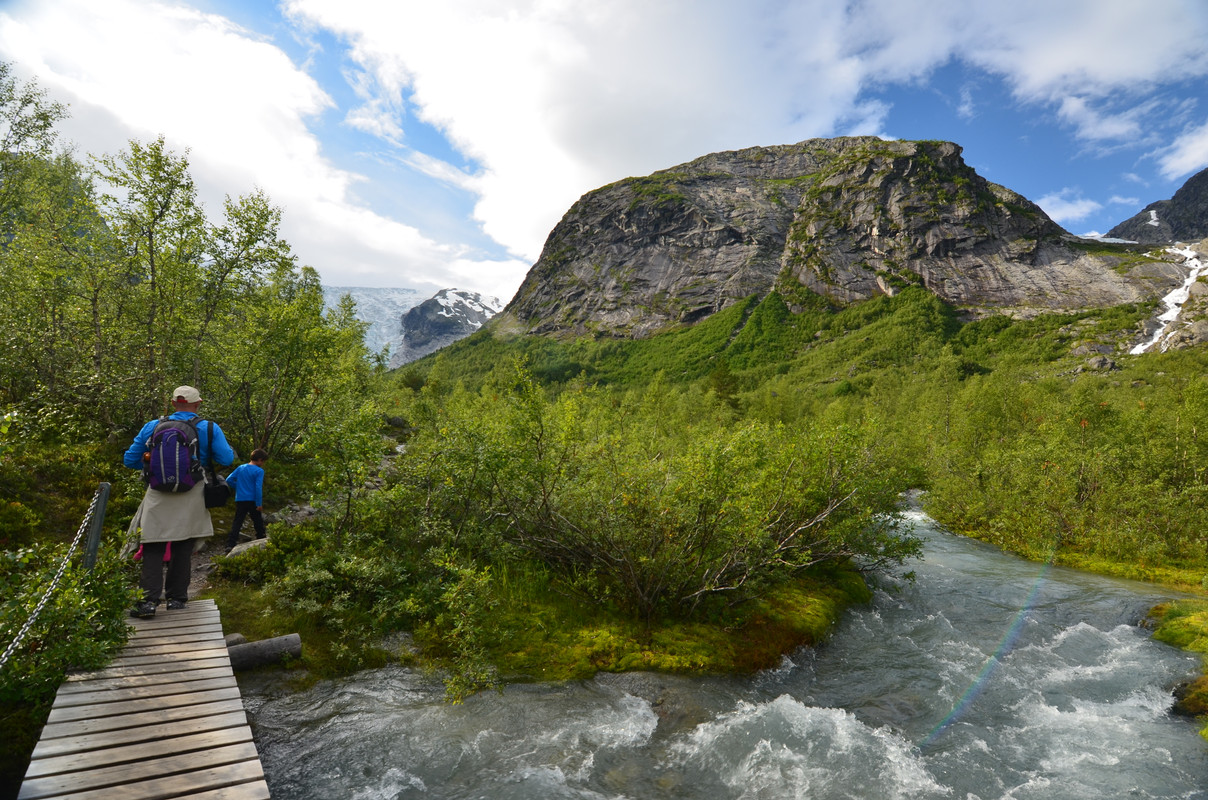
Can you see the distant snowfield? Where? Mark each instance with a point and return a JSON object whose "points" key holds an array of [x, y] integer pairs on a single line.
{"points": [[382, 308]]}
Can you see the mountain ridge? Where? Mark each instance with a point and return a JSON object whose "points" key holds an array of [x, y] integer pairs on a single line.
{"points": [[1181, 218], [840, 220]]}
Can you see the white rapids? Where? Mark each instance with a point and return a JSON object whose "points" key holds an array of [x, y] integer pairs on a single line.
{"points": [[987, 678]]}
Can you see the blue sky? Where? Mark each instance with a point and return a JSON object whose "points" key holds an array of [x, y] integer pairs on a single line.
{"points": [[435, 144]]}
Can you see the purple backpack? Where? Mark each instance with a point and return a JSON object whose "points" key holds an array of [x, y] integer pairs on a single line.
{"points": [[174, 463]]}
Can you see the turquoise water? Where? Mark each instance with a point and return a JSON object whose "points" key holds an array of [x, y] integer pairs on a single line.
{"points": [[988, 677]]}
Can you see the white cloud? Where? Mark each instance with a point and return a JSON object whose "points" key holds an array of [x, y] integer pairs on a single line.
{"points": [[1124, 201], [442, 171], [552, 99], [1089, 59], [1097, 125], [1188, 153], [131, 70], [1067, 205], [966, 110], [377, 120]]}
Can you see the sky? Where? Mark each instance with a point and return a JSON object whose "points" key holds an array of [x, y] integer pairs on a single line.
{"points": [[435, 144]]}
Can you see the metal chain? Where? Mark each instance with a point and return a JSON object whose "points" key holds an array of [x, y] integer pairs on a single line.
{"points": [[53, 584]]}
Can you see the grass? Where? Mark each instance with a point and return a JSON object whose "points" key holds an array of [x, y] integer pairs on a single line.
{"points": [[541, 635], [1184, 624], [325, 651], [548, 637]]}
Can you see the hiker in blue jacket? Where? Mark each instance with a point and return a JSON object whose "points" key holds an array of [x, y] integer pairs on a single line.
{"points": [[179, 517], [247, 481]]}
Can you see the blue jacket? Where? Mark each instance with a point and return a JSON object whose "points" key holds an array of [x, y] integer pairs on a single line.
{"points": [[248, 482], [222, 452]]}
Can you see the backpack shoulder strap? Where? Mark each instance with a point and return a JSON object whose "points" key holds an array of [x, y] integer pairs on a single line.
{"points": [[210, 444], [158, 423]]}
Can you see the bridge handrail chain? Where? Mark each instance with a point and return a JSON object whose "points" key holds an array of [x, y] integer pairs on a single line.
{"points": [[12, 647]]}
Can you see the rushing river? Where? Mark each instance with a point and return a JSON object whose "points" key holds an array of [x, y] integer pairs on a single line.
{"points": [[988, 677]]}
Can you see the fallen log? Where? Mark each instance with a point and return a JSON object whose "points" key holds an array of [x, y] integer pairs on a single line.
{"points": [[265, 651]]}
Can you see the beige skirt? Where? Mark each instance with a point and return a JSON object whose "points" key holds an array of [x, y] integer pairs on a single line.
{"points": [[171, 517]]}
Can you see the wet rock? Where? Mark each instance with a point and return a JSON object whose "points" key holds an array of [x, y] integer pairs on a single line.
{"points": [[1191, 699], [1191, 336]]}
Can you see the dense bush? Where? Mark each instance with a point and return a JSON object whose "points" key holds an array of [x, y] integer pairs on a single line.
{"points": [[81, 625], [656, 500]]}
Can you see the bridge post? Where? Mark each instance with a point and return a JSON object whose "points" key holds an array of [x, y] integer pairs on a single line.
{"points": [[94, 528]]}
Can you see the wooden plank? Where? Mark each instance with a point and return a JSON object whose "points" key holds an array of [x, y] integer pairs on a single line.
{"points": [[164, 618], [99, 740], [186, 772], [186, 648], [177, 745], [187, 633], [151, 627], [206, 651], [160, 634], [89, 727], [176, 621], [145, 704], [216, 670], [206, 660], [217, 651], [160, 690], [244, 791], [234, 782]]}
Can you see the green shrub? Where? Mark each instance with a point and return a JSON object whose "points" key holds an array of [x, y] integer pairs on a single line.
{"points": [[81, 625]]}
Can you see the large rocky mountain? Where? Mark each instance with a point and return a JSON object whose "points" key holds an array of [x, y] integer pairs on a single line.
{"points": [[449, 315], [845, 218], [410, 323], [1182, 218]]}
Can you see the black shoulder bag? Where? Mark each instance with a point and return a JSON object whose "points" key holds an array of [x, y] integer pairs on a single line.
{"points": [[217, 491]]}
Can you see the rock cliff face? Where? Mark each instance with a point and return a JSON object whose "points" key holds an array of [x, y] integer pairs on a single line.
{"points": [[449, 315], [1182, 218], [842, 218]]}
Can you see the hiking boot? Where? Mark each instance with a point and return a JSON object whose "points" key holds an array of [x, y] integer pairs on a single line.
{"points": [[144, 610], [175, 605]]}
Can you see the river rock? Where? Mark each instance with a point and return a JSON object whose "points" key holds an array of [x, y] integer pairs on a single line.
{"points": [[672, 699], [1190, 336]]}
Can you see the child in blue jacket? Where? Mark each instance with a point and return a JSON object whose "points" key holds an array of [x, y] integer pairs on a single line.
{"points": [[248, 482]]}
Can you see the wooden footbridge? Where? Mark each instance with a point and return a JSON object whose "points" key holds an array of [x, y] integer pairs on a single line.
{"points": [[164, 720]]}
